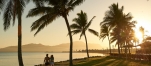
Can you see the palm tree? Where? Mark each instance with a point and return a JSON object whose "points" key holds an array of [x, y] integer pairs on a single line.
{"points": [[127, 32], [117, 22], [81, 25], [113, 20], [15, 8], [55, 9], [104, 32]]}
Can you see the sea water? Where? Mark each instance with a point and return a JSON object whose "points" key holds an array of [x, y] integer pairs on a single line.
{"points": [[35, 58]]}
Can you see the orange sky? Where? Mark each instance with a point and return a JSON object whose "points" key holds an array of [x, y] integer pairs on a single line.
{"points": [[56, 33]]}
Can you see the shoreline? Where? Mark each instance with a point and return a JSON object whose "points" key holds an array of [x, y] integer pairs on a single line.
{"points": [[66, 62]]}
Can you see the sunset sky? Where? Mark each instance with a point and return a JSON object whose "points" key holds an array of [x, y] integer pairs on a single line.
{"points": [[56, 33]]}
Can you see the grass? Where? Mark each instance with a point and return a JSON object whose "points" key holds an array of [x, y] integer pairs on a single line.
{"points": [[104, 61]]}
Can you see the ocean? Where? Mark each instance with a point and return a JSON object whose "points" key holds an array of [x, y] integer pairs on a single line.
{"points": [[35, 58]]}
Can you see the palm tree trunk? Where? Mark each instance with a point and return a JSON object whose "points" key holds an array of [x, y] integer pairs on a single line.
{"points": [[135, 48], [119, 48], [118, 43], [129, 50], [86, 45], [109, 44], [20, 41], [70, 36]]}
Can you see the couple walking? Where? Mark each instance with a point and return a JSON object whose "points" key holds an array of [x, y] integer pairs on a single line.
{"points": [[49, 61]]}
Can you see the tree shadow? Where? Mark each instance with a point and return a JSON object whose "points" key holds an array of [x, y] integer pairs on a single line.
{"points": [[109, 61]]}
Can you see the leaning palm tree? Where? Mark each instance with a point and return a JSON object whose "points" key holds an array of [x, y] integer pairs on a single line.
{"points": [[104, 32], [15, 8], [81, 25], [49, 10]]}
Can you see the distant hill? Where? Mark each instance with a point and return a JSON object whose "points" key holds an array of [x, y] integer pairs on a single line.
{"points": [[77, 45]]}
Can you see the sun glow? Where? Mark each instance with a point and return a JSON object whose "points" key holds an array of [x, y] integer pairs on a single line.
{"points": [[138, 35]]}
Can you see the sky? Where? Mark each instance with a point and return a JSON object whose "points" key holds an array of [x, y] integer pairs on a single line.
{"points": [[56, 32]]}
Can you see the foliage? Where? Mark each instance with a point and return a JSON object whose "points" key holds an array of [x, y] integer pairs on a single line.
{"points": [[50, 12], [81, 25]]}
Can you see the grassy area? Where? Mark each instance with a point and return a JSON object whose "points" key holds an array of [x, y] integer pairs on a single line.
{"points": [[104, 61]]}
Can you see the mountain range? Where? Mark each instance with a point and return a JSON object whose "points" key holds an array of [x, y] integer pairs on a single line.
{"points": [[32, 47]]}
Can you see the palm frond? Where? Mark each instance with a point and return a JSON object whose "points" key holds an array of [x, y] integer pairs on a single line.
{"points": [[39, 3], [93, 32], [75, 32], [64, 2], [104, 29], [104, 32], [39, 28], [82, 33], [54, 2], [8, 15], [81, 20], [75, 26], [82, 17], [69, 9], [77, 21], [113, 39], [76, 3], [70, 2], [2, 3], [43, 21], [39, 11], [103, 36], [87, 26], [18, 8]]}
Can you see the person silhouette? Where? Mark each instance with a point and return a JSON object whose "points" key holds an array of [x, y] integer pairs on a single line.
{"points": [[46, 60], [51, 60]]}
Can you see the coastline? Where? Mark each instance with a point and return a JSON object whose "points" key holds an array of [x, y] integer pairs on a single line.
{"points": [[75, 61]]}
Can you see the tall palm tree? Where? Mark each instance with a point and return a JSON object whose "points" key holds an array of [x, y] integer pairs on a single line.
{"points": [[127, 32], [113, 19], [104, 32], [53, 10], [117, 22], [14, 9], [81, 25]]}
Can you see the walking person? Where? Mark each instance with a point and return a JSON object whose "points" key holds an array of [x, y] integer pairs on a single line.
{"points": [[51, 60], [46, 60]]}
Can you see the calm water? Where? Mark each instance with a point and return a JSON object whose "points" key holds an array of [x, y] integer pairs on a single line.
{"points": [[31, 59]]}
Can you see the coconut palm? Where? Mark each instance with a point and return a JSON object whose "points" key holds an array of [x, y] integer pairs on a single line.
{"points": [[113, 20], [14, 9], [81, 25], [53, 10], [104, 32], [117, 22], [126, 34]]}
